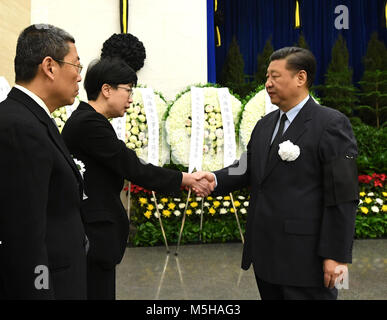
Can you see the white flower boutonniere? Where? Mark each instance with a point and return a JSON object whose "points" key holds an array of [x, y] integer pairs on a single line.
{"points": [[81, 167], [288, 151]]}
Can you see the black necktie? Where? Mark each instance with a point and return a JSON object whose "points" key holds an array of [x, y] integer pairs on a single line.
{"points": [[278, 136]]}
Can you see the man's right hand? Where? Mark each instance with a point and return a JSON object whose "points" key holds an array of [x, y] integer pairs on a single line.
{"points": [[204, 177], [202, 185]]}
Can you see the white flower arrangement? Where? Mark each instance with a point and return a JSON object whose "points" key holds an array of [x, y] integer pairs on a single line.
{"points": [[178, 128], [136, 133], [288, 151], [60, 117]]}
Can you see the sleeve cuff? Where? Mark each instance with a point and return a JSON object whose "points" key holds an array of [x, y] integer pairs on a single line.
{"points": [[216, 180]]}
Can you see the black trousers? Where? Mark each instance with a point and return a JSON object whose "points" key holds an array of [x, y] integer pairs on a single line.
{"points": [[270, 291], [101, 283]]}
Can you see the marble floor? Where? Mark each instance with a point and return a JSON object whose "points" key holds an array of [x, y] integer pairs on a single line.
{"points": [[212, 272]]}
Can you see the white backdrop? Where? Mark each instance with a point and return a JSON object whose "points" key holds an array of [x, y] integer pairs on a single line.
{"points": [[174, 33]]}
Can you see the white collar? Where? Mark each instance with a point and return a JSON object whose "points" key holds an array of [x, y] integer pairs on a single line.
{"points": [[293, 112], [34, 97]]}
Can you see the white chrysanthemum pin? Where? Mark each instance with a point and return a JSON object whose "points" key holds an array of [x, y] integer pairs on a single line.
{"points": [[288, 151], [80, 165]]}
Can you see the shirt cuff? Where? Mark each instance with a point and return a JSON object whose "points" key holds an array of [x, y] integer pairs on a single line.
{"points": [[216, 180]]}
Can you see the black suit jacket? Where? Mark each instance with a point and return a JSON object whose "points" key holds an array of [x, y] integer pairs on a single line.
{"points": [[40, 197], [91, 138], [300, 211]]}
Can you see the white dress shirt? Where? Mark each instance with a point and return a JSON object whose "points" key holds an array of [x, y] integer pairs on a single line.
{"points": [[291, 114]]}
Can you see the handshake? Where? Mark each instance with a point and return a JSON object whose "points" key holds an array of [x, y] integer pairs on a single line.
{"points": [[201, 182]]}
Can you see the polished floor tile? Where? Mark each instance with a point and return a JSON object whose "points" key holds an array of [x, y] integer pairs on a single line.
{"points": [[212, 272]]}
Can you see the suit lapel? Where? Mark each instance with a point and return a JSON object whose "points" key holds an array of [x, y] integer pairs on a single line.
{"points": [[58, 140], [52, 129], [296, 129]]}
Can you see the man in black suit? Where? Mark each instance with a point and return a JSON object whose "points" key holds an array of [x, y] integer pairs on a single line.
{"points": [[42, 250], [91, 138], [304, 192]]}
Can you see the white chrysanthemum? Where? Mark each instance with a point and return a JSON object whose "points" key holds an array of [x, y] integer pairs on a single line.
{"points": [[60, 115], [177, 213], [80, 165], [288, 151], [178, 128], [59, 122], [219, 133], [209, 108], [375, 209], [137, 127], [379, 201]]}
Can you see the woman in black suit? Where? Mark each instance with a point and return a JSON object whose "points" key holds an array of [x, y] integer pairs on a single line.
{"points": [[91, 138]]}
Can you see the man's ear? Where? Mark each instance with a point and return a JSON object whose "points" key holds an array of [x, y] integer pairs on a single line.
{"points": [[49, 67], [106, 90], [302, 78]]}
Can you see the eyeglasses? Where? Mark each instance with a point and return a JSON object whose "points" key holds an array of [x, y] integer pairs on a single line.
{"points": [[79, 66], [129, 90]]}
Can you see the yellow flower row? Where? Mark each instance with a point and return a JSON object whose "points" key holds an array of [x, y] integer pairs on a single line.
{"points": [[365, 210], [363, 194], [172, 205], [167, 213]]}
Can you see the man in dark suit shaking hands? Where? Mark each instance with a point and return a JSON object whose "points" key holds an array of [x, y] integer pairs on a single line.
{"points": [[42, 250], [301, 167]]}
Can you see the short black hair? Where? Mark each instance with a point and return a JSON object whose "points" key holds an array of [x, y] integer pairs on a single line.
{"points": [[297, 59], [34, 44], [112, 71]]}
